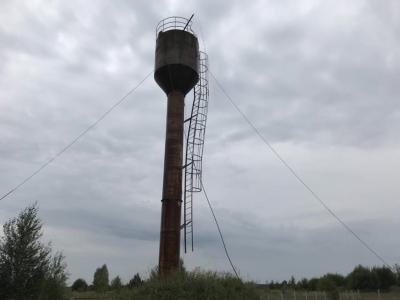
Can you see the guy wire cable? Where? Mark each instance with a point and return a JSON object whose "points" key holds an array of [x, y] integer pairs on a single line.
{"points": [[76, 139], [297, 176], [219, 230]]}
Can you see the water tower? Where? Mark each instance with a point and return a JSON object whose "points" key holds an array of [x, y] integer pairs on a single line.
{"points": [[176, 72]]}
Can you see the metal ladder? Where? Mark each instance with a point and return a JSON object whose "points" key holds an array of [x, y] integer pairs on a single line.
{"points": [[194, 148]]}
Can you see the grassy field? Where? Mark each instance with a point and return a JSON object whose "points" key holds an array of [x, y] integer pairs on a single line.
{"points": [[266, 294], [206, 287], [198, 285]]}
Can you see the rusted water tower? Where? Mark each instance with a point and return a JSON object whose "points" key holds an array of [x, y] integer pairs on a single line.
{"points": [[176, 72]]}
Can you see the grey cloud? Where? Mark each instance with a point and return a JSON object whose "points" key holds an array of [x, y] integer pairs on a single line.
{"points": [[335, 86], [117, 223]]}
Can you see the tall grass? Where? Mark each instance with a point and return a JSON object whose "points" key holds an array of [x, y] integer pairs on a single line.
{"points": [[194, 285]]}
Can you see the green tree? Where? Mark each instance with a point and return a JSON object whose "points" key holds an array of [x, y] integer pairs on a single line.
{"points": [[284, 285], [100, 279], [385, 277], [361, 278], [312, 284], [79, 285], [54, 283], [116, 284], [271, 285], [27, 268], [397, 270], [339, 280], [328, 285], [303, 284], [135, 281], [292, 282]]}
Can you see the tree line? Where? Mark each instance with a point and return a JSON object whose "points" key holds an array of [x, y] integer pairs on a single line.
{"points": [[31, 270], [101, 282], [360, 278]]}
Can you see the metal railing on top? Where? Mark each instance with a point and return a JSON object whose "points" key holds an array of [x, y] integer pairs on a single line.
{"points": [[173, 23]]}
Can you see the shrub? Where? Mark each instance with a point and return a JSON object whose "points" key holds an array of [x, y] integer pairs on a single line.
{"points": [[79, 285]]}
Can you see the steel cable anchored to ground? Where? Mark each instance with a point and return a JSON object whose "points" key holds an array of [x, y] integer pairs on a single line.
{"points": [[219, 230], [297, 176], [76, 139]]}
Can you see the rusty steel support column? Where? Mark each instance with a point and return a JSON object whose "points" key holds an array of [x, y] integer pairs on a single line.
{"points": [[172, 186]]}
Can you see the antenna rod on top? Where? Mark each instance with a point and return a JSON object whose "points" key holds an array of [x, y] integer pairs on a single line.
{"points": [[184, 28]]}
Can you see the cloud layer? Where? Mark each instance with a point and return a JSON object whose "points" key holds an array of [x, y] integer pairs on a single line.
{"points": [[319, 79]]}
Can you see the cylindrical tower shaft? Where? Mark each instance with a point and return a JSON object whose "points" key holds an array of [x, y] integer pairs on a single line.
{"points": [[176, 72], [172, 185]]}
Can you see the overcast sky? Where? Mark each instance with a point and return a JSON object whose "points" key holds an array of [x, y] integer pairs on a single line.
{"points": [[320, 79]]}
